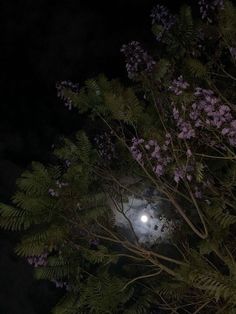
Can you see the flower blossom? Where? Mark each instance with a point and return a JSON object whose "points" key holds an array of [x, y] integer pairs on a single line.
{"points": [[186, 130], [137, 59], [183, 172], [37, 261], [155, 153], [161, 16], [178, 86], [209, 112]]}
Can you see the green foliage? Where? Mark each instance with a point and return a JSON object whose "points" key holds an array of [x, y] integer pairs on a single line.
{"points": [[186, 32], [65, 211], [227, 23], [221, 218], [96, 296], [196, 68]]}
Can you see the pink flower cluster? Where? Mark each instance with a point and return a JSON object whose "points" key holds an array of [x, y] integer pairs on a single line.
{"points": [[178, 86], [155, 153], [137, 59], [37, 261], [61, 86]]}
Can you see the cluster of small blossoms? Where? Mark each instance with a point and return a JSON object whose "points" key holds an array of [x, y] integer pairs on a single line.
{"points": [[187, 173], [37, 261], [208, 111], [61, 284], [61, 86], [209, 7], [105, 146], [156, 154], [178, 86], [161, 16], [184, 172], [186, 130], [137, 59]]}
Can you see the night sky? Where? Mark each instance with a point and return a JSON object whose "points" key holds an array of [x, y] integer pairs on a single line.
{"points": [[42, 42]]}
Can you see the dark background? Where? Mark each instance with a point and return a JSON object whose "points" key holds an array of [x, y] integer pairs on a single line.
{"points": [[43, 42]]}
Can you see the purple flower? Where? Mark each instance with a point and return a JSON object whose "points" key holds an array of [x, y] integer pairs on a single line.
{"points": [[209, 112], [189, 152], [176, 113], [159, 170], [161, 16], [178, 174], [156, 154], [183, 172], [178, 86], [36, 261], [186, 131], [137, 59], [185, 128]]}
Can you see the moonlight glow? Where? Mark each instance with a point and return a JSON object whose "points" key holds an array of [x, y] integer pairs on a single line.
{"points": [[144, 218], [149, 225]]}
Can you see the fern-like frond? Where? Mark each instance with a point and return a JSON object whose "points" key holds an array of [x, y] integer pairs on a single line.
{"points": [[34, 182], [15, 219], [37, 242], [196, 68]]}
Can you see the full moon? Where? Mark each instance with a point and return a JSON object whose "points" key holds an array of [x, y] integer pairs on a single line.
{"points": [[144, 218]]}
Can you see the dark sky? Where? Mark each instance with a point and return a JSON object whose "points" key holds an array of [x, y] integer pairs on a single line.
{"points": [[46, 41], [42, 42]]}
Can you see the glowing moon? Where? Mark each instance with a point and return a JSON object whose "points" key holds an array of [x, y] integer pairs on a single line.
{"points": [[144, 218]]}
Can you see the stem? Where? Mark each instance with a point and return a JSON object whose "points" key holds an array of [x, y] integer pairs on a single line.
{"points": [[140, 277]]}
